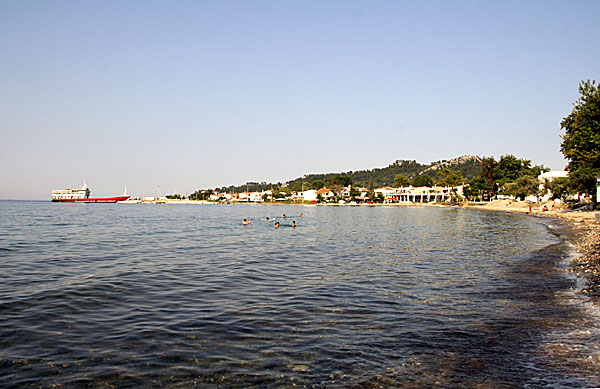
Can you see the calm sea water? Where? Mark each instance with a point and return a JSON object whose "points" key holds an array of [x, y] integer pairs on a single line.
{"points": [[185, 296]]}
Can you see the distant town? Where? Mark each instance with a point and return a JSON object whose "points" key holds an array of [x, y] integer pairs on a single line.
{"points": [[467, 178]]}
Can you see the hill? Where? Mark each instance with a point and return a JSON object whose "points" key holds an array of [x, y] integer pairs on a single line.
{"points": [[469, 166]]}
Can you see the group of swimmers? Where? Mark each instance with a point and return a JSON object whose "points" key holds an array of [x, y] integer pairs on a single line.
{"points": [[276, 225]]}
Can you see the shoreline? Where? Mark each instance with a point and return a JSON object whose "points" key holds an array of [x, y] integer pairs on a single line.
{"points": [[584, 234]]}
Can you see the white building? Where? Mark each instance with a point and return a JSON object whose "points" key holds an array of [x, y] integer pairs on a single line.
{"points": [[307, 195], [548, 177], [325, 193], [423, 194], [552, 175]]}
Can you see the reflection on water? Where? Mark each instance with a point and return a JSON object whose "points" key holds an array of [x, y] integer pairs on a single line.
{"points": [[96, 294]]}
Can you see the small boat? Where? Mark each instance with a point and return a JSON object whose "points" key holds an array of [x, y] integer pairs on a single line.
{"points": [[82, 195]]}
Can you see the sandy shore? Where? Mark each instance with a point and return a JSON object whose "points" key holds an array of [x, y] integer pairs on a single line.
{"points": [[587, 237]]}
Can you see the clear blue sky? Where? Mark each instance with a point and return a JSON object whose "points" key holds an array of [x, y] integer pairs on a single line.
{"points": [[200, 94]]}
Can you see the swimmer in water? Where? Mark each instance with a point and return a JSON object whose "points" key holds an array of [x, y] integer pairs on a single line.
{"points": [[276, 224], [266, 219], [301, 215], [293, 224], [245, 221], [284, 216]]}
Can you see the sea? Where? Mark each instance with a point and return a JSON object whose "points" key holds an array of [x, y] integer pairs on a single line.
{"points": [[141, 295]]}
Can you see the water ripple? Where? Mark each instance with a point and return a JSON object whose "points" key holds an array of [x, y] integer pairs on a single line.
{"points": [[184, 296]]}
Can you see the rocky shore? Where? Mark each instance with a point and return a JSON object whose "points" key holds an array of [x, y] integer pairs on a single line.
{"points": [[588, 264]]}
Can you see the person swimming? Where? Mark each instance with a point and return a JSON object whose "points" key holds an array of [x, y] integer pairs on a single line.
{"points": [[266, 219], [293, 224], [301, 215], [245, 221], [284, 216], [276, 224]]}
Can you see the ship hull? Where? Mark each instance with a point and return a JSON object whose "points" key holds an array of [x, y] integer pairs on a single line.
{"points": [[93, 200]]}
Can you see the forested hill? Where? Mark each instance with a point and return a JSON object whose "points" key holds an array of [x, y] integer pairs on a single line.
{"points": [[469, 166]]}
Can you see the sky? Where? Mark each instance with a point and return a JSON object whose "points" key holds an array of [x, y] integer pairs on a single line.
{"points": [[186, 95]]}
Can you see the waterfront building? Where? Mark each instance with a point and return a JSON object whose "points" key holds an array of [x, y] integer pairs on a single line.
{"points": [[325, 193]]}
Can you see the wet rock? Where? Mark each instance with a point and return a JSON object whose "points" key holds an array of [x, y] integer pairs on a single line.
{"points": [[588, 264], [299, 368]]}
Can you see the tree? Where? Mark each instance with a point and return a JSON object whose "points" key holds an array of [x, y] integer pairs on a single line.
{"points": [[371, 189], [509, 168], [450, 178], [583, 180], [488, 166], [281, 193], [581, 142], [354, 193], [318, 184], [523, 187], [422, 180], [475, 188], [559, 187], [297, 186], [201, 194], [401, 181], [343, 180]]}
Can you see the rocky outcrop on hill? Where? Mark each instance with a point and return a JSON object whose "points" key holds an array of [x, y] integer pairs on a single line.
{"points": [[454, 163]]}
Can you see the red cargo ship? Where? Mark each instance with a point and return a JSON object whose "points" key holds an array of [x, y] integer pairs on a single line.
{"points": [[82, 195]]}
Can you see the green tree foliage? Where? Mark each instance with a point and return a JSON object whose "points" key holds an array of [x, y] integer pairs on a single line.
{"points": [[449, 177], [496, 175], [201, 194], [354, 193], [423, 180], [296, 185], [488, 167], [249, 186], [175, 196], [581, 142], [469, 168], [475, 189], [317, 184], [401, 181], [281, 193], [524, 186], [510, 168], [559, 187], [582, 180], [338, 180]]}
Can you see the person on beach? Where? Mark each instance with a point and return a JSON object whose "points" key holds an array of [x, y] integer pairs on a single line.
{"points": [[245, 221], [293, 224], [276, 224]]}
